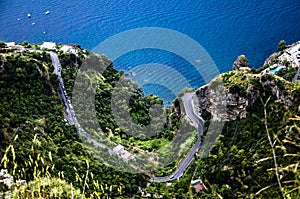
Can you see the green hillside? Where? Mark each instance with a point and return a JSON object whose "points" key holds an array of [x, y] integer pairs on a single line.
{"points": [[255, 156]]}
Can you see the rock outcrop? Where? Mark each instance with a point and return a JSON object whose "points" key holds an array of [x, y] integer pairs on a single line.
{"points": [[272, 58], [240, 62], [220, 103], [224, 105]]}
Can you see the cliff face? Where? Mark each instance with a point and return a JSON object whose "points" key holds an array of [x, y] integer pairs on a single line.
{"points": [[228, 107], [240, 62], [228, 96]]}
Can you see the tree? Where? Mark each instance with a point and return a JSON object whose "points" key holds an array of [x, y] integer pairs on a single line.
{"points": [[2, 45], [281, 45]]}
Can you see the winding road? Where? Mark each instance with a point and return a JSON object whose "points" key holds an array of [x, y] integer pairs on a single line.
{"points": [[183, 165], [189, 109], [70, 114]]}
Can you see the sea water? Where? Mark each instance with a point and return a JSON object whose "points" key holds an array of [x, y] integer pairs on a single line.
{"points": [[225, 29]]}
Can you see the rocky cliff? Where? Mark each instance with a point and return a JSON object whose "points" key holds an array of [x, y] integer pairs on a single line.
{"points": [[228, 96], [240, 62]]}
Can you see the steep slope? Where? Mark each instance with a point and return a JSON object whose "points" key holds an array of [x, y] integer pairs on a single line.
{"points": [[36, 144], [257, 154]]}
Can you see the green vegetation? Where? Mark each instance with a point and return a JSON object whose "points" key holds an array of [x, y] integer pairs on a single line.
{"points": [[254, 157], [70, 64], [281, 45], [236, 82], [242, 165], [138, 105], [2, 45], [257, 156], [287, 73], [31, 110]]}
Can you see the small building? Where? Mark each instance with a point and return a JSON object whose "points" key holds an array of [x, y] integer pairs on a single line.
{"points": [[10, 44], [67, 48], [14, 47], [120, 150], [290, 55], [126, 155], [198, 185], [48, 45]]}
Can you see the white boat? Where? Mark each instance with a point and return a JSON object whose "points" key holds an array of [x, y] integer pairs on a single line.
{"points": [[29, 15], [47, 12]]}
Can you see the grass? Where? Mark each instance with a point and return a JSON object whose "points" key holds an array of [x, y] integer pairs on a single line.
{"points": [[156, 143], [45, 184]]}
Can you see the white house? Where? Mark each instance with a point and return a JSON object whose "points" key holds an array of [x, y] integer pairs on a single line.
{"points": [[49, 45], [67, 48], [10, 44], [120, 150]]}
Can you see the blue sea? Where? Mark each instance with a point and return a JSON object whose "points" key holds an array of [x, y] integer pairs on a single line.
{"points": [[225, 29]]}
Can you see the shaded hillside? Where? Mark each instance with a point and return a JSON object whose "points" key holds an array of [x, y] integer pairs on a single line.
{"points": [[35, 141], [258, 150]]}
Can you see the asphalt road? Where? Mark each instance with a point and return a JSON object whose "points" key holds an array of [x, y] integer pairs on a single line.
{"points": [[189, 109], [70, 114], [183, 165]]}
